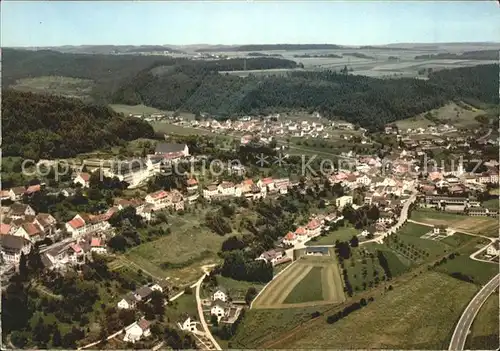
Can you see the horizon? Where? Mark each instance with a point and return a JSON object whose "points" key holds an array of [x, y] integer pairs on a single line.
{"points": [[60, 23]]}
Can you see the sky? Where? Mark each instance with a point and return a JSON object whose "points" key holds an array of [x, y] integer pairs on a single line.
{"points": [[56, 23]]}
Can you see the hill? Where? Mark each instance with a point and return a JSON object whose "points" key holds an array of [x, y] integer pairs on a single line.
{"points": [[271, 47], [467, 55], [41, 126]]}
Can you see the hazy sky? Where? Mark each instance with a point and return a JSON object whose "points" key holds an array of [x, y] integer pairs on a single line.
{"points": [[53, 23]]}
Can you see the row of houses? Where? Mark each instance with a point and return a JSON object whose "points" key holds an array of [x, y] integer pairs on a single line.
{"points": [[247, 188]]}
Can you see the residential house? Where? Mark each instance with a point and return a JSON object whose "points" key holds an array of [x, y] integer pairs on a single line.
{"points": [[159, 199], [274, 256], [13, 247], [16, 193], [6, 229], [282, 185], [128, 302], [313, 228], [33, 189], [137, 331], [301, 233], [220, 294], [192, 185], [364, 180], [439, 230], [266, 184], [219, 309], [143, 293], [97, 246], [86, 223], [343, 201], [177, 200], [46, 222], [210, 191], [188, 324], [83, 179], [290, 239], [20, 211], [4, 195], [29, 231], [226, 188]]}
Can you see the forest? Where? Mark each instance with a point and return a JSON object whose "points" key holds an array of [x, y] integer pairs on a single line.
{"points": [[467, 55], [199, 86], [43, 126]]}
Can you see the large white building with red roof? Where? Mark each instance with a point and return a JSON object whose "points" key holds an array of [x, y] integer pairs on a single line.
{"points": [[313, 228], [83, 224]]}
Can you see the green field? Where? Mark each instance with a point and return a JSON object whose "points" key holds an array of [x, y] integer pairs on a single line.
{"points": [[418, 315], [180, 254], [237, 288], [341, 234], [308, 289], [487, 226], [176, 309], [457, 239], [135, 110], [413, 229], [65, 86], [484, 331], [481, 272], [492, 204], [260, 325]]}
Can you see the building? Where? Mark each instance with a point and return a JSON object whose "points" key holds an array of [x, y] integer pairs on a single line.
{"points": [[343, 201], [143, 293], [97, 246], [275, 256], [30, 232], [313, 228], [493, 249], [18, 211], [219, 309], [166, 149], [188, 324], [137, 331], [290, 239], [159, 199], [191, 185], [317, 251], [13, 247], [220, 294], [46, 222], [210, 191], [439, 230], [16, 193], [226, 189], [128, 302], [83, 179], [132, 172], [84, 223]]}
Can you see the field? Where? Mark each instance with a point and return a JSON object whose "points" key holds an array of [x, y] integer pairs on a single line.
{"points": [[65, 86], [484, 331], [480, 272], [237, 288], [169, 128], [476, 225], [418, 315], [263, 325], [492, 204], [460, 116], [135, 110], [309, 281], [176, 309], [341, 234], [178, 255]]}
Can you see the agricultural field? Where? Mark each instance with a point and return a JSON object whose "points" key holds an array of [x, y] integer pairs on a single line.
{"points": [[484, 330], [487, 226], [309, 281], [135, 109], [480, 272], [341, 234], [462, 116], [264, 325], [420, 314], [64, 86], [179, 255], [169, 128]]}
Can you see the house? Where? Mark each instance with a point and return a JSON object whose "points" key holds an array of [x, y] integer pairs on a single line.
{"points": [[128, 302], [317, 251], [192, 185], [18, 211], [29, 231], [290, 239], [13, 247], [220, 294], [33, 189], [188, 324], [493, 249], [266, 184], [4, 195], [282, 185], [86, 223], [159, 199], [83, 179], [6, 229], [210, 191], [143, 293], [137, 331], [313, 228], [275, 256], [16, 193], [364, 180], [343, 201], [97, 246], [166, 149], [133, 172], [301, 233], [226, 188], [219, 309], [46, 222]]}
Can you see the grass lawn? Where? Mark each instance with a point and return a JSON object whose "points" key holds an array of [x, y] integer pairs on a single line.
{"points": [[180, 254], [457, 239], [176, 309], [492, 204], [481, 272], [308, 289], [484, 331], [413, 229], [237, 288], [341, 234], [477, 225], [418, 315], [260, 325]]}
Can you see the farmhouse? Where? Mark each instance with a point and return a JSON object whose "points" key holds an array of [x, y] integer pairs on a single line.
{"points": [[317, 251], [219, 309], [220, 294], [128, 302]]}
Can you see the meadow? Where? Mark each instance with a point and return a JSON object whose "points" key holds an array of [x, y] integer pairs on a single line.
{"points": [[484, 330]]}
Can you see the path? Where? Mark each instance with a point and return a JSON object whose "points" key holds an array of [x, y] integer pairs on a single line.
{"points": [[463, 326], [203, 322]]}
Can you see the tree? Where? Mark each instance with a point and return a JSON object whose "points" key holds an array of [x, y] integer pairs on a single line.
{"points": [[214, 320], [56, 338], [23, 267], [250, 295], [354, 241]]}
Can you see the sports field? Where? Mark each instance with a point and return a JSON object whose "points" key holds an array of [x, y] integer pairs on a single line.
{"points": [[309, 281], [476, 225]]}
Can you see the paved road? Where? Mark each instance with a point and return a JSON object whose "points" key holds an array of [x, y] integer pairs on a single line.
{"points": [[465, 322], [203, 322]]}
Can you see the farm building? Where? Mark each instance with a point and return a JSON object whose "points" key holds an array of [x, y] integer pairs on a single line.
{"points": [[317, 251]]}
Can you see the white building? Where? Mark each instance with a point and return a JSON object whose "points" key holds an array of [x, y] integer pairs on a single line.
{"points": [[226, 188], [128, 302], [220, 294], [137, 331], [13, 247], [189, 324], [343, 201], [83, 179], [290, 239], [219, 309], [493, 249]]}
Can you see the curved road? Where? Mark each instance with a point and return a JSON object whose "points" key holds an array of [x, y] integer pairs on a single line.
{"points": [[465, 321]]}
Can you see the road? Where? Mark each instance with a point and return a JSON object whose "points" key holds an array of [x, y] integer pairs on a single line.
{"points": [[403, 216], [463, 326], [203, 322]]}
